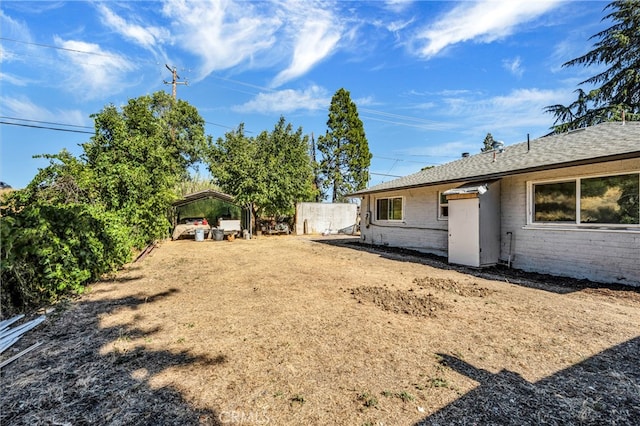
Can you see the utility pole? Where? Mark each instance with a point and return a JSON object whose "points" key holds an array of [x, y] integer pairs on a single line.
{"points": [[314, 164], [174, 80]]}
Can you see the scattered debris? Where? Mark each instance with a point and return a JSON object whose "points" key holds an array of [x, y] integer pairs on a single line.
{"points": [[9, 336], [6, 323], [18, 355], [145, 252]]}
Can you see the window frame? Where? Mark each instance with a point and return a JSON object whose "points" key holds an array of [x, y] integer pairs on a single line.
{"points": [[441, 205], [577, 224], [390, 208]]}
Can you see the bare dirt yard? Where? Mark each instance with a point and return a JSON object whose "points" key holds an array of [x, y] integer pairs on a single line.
{"points": [[287, 330]]}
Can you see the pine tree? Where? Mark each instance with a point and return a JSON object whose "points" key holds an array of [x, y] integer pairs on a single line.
{"points": [[344, 148], [618, 52], [488, 143]]}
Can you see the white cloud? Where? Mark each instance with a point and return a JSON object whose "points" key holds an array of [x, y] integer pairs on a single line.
{"points": [[223, 33], [148, 37], [482, 21], [7, 55], [396, 26], [436, 153], [514, 66], [90, 76], [402, 120], [286, 101], [521, 108], [397, 6], [317, 37], [23, 107], [522, 99], [14, 80], [12, 29]]}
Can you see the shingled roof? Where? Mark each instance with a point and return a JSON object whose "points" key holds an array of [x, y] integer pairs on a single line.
{"points": [[590, 145]]}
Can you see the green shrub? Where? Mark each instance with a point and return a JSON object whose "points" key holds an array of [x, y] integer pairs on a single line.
{"points": [[52, 250]]}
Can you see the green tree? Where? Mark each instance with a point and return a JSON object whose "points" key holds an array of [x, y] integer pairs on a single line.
{"points": [[345, 151], [269, 173], [488, 143], [138, 155], [289, 170], [617, 87], [81, 217]]}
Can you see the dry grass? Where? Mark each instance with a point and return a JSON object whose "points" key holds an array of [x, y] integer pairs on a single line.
{"points": [[289, 331]]}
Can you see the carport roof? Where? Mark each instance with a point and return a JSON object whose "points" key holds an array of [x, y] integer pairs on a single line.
{"points": [[201, 195], [590, 145]]}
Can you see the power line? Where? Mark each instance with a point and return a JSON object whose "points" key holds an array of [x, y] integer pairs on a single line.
{"points": [[399, 116], [85, 127], [385, 174], [254, 86], [391, 118], [45, 122], [46, 128], [229, 127], [398, 159], [411, 121], [60, 48]]}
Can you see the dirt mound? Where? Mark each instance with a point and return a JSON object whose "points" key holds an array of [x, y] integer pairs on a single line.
{"points": [[452, 286], [399, 301]]}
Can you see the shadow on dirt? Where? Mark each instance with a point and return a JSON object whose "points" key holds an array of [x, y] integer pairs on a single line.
{"points": [[69, 381], [600, 390], [551, 283]]}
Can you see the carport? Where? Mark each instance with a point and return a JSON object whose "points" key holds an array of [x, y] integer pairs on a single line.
{"points": [[210, 204]]}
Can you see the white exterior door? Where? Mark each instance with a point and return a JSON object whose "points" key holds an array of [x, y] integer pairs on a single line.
{"points": [[464, 231]]}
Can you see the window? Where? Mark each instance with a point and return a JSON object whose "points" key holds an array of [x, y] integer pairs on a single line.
{"points": [[389, 208], [612, 200], [443, 206], [555, 202]]}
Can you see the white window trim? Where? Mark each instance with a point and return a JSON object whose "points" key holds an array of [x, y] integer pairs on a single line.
{"points": [[389, 198], [440, 216], [531, 224]]}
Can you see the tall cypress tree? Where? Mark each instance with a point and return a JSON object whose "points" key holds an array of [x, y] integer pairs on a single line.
{"points": [[345, 151], [618, 86]]}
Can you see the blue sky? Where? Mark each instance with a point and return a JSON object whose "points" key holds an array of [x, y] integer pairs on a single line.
{"points": [[430, 78]]}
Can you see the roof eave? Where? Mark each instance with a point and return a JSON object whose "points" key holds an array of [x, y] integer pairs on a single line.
{"points": [[604, 159]]}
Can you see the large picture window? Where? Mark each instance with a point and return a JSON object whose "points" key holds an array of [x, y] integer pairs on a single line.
{"points": [[389, 208], [613, 200]]}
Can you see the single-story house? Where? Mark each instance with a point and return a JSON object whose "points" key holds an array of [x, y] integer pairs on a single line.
{"points": [[565, 204]]}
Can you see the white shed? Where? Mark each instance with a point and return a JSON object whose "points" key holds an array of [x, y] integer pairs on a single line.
{"points": [[474, 224]]}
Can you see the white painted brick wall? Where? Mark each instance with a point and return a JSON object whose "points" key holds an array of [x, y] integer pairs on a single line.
{"points": [[420, 230], [602, 256], [611, 257]]}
